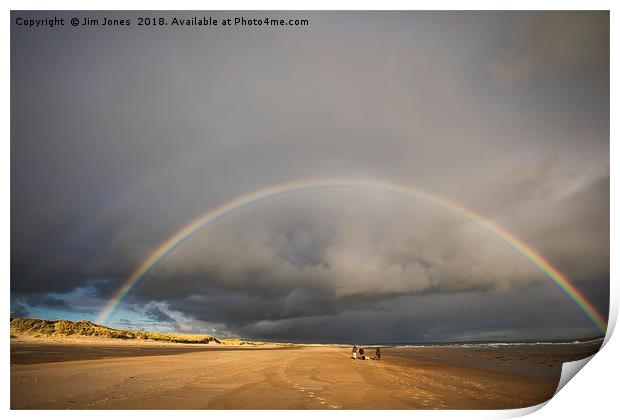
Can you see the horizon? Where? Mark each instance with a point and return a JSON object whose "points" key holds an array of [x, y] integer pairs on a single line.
{"points": [[373, 344]]}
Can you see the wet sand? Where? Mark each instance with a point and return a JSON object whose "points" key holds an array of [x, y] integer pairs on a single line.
{"points": [[87, 376], [27, 354]]}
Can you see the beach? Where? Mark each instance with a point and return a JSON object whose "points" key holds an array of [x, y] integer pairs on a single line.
{"points": [[91, 374]]}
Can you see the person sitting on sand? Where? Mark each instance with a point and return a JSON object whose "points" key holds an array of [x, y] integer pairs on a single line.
{"points": [[354, 353], [362, 356], [378, 353]]}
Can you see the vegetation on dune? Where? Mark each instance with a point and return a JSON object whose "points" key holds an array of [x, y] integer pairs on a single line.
{"points": [[240, 342], [64, 328]]}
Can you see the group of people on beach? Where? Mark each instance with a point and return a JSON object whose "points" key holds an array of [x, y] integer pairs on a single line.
{"points": [[359, 353]]}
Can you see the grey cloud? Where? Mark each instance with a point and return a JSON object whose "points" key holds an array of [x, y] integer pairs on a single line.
{"points": [[19, 310], [247, 269], [551, 42], [439, 318], [157, 313], [46, 301], [128, 136]]}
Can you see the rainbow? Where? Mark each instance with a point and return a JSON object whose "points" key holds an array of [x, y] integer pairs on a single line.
{"points": [[217, 213]]}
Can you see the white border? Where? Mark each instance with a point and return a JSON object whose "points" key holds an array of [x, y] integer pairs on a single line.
{"points": [[592, 395]]}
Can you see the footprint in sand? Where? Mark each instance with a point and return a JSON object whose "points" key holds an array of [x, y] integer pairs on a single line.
{"points": [[310, 393]]}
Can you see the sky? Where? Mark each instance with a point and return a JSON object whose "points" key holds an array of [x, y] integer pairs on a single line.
{"points": [[122, 136]]}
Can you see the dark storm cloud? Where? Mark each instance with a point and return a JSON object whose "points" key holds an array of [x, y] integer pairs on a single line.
{"points": [[156, 313], [46, 301], [119, 138], [236, 273], [237, 309], [563, 41], [462, 316], [19, 310]]}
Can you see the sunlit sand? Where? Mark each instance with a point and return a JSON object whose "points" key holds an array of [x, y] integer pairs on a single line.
{"points": [[103, 374]]}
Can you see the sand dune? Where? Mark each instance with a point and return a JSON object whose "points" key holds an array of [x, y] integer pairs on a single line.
{"points": [[31, 329], [63, 328]]}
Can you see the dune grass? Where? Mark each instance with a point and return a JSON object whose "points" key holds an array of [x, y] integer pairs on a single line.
{"points": [[63, 328]]}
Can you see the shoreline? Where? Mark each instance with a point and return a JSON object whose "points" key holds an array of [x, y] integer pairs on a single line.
{"points": [[21, 337]]}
